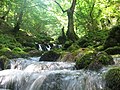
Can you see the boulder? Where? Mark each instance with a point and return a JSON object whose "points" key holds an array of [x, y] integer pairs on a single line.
{"points": [[94, 60], [35, 53], [3, 61], [69, 57], [112, 78], [50, 56]]}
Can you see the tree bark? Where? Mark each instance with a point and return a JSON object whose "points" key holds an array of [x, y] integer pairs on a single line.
{"points": [[71, 35]]}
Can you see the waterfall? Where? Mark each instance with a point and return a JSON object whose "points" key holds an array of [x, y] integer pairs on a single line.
{"points": [[29, 74], [47, 47]]}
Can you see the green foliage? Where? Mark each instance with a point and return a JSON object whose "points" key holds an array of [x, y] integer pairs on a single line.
{"points": [[113, 78], [113, 38], [18, 50], [113, 50], [73, 47], [3, 50], [93, 38], [8, 41], [97, 14]]}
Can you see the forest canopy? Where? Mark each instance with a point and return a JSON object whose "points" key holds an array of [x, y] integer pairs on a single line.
{"points": [[45, 17]]}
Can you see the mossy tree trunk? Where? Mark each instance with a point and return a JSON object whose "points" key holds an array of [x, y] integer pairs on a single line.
{"points": [[70, 32]]}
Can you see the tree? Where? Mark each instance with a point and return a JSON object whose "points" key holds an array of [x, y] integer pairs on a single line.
{"points": [[70, 11], [19, 21], [5, 14]]}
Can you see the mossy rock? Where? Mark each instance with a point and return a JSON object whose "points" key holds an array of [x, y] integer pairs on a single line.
{"points": [[35, 53], [113, 79], [94, 38], [26, 40], [104, 58], [98, 59], [50, 56], [9, 41], [3, 62], [73, 47], [113, 50], [28, 49], [84, 61], [4, 50], [113, 38], [18, 52], [67, 44]]}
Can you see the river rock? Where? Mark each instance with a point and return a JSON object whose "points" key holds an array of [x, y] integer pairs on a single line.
{"points": [[50, 56], [113, 79], [98, 59], [3, 61]]}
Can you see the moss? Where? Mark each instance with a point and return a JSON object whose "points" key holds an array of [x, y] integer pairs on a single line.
{"points": [[67, 44], [4, 27], [113, 79], [26, 40], [105, 59], [94, 38], [84, 61], [18, 52], [4, 50], [35, 53], [113, 38], [27, 49], [9, 41], [99, 48], [113, 50], [98, 59], [73, 47]]}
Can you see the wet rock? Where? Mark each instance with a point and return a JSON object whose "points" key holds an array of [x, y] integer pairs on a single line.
{"points": [[3, 61], [96, 65], [50, 56], [67, 57], [94, 61], [36, 53], [113, 79]]}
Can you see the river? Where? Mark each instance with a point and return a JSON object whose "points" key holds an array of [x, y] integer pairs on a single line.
{"points": [[30, 74]]}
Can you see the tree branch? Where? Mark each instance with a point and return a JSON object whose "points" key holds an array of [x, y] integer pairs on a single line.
{"points": [[60, 7]]}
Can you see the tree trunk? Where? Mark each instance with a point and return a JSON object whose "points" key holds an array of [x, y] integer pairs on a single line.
{"points": [[70, 32], [71, 35], [19, 21]]}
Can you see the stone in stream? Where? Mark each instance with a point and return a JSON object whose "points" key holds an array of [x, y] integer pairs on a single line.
{"points": [[50, 56]]}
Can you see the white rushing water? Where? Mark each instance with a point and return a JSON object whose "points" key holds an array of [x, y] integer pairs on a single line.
{"points": [[30, 74]]}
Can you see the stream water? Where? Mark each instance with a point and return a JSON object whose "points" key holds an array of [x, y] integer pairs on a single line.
{"points": [[30, 74]]}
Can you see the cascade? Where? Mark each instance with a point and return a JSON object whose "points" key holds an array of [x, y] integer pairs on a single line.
{"points": [[30, 74], [46, 47]]}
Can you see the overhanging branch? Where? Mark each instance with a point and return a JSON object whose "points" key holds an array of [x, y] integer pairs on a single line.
{"points": [[60, 7]]}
